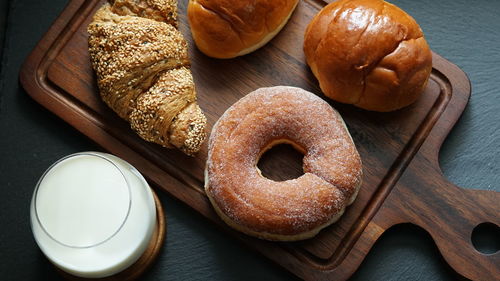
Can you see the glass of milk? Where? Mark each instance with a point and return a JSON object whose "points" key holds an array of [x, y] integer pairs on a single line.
{"points": [[92, 214]]}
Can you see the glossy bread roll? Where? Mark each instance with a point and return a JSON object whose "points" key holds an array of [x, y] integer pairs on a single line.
{"points": [[369, 53], [227, 29]]}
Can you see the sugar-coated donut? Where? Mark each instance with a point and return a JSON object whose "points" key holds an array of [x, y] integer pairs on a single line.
{"points": [[289, 210]]}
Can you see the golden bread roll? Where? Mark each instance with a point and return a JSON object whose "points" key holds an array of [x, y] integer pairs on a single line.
{"points": [[368, 53], [227, 29], [142, 69]]}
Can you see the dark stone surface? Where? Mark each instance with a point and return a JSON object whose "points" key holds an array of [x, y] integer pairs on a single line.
{"points": [[4, 4], [31, 138]]}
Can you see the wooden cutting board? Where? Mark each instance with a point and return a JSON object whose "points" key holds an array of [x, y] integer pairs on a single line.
{"points": [[402, 180]]}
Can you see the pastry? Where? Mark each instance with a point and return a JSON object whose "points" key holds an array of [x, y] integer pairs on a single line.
{"points": [[227, 29], [368, 53], [158, 10], [288, 210], [142, 69]]}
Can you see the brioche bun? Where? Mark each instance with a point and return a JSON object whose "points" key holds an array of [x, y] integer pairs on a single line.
{"points": [[368, 53], [227, 29]]}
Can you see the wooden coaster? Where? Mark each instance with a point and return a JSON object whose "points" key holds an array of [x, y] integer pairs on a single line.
{"points": [[145, 261]]}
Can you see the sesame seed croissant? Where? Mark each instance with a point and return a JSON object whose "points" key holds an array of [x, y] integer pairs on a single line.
{"points": [[159, 10], [142, 69]]}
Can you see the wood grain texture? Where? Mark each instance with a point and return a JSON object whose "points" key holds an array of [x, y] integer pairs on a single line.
{"points": [[402, 180]]}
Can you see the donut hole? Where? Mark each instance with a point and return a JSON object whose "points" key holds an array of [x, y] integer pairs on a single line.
{"points": [[281, 162]]}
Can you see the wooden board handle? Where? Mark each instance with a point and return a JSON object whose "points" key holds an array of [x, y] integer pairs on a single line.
{"points": [[449, 213], [459, 214], [424, 197]]}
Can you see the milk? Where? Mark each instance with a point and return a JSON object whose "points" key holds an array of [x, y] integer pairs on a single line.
{"points": [[92, 214]]}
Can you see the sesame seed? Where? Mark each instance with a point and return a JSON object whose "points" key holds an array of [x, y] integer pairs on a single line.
{"points": [[142, 68]]}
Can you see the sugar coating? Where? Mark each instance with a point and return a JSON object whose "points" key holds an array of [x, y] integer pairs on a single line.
{"points": [[332, 166]]}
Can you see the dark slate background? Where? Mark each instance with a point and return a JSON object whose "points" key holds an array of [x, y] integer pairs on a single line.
{"points": [[465, 32]]}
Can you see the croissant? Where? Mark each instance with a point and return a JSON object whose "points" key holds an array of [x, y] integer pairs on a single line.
{"points": [[142, 70], [158, 10]]}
